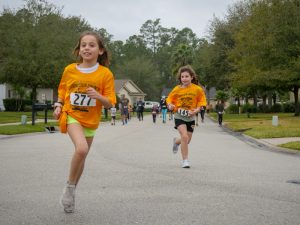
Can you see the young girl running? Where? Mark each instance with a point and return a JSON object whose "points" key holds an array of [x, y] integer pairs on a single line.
{"points": [[84, 88], [185, 100]]}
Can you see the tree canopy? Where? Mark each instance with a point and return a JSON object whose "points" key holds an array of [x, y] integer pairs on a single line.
{"points": [[252, 52]]}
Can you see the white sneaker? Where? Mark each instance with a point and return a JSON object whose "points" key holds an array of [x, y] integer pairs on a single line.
{"points": [[175, 146], [185, 163], [68, 198]]}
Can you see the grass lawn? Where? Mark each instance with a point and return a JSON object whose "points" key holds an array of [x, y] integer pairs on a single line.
{"points": [[22, 129], [292, 145], [15, 117], [260, 125]]}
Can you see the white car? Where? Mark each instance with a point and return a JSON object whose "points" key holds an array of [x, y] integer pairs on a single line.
{"points": [[150, 104]]}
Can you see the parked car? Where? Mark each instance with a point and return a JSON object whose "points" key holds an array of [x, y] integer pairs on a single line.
{"points": [[150, 104]]}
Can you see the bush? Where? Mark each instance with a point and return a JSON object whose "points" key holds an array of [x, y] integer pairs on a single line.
{"points": [[248, 108], [233, 109], [15, 105], [264, 109], [276, 108], [289, 107]]}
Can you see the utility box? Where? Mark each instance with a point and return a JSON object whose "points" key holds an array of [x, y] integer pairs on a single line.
{"points": [[23, 119], [275, 121]]}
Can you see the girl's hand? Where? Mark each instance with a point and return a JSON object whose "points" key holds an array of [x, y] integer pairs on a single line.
{"points": [[171, 107], [193, 112], [92, 93], [57, 112]]}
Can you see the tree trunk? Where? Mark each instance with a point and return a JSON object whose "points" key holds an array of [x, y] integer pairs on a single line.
{"points": [[246, 100], [34, 94], [270, 100], [239, 101], [264, 103], [274, 97], [255, 100], [297, 105]]}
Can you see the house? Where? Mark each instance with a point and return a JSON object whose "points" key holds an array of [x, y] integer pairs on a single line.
{"points": [[7, 91], [127, 87], [130, 90]]}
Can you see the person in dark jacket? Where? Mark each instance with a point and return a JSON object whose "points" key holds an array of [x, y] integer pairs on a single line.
{"points": [[220, 108], [140, 104]]}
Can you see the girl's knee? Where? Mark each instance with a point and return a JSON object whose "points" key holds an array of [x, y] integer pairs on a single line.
{"points": [[185, 138], [82, 150]]}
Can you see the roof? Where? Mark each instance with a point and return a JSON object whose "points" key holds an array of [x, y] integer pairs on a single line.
{"points": [[119, 84]]}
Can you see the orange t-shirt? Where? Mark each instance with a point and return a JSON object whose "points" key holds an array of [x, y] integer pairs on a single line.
{"points": [[187, 98], [72, 90]]}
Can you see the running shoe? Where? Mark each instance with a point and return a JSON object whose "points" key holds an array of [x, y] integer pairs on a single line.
{"points": [[68, 198], [185, 163], [175, 146]]}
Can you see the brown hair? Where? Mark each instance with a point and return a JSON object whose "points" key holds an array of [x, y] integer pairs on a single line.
{"points": [[102, 59], [190, 70]]}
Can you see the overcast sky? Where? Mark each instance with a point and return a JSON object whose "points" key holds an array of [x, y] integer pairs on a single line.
{"points": [[124, 18]]}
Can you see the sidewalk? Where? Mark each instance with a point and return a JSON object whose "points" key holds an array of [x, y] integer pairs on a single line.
{"points": [[279, 141], [28, 122]]}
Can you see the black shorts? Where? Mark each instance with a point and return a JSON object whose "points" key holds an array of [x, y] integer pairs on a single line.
{"points": [[189, 125]]}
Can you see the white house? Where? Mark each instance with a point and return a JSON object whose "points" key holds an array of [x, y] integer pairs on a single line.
{"points": [[7, 91], [127, 87], [2, 96]]}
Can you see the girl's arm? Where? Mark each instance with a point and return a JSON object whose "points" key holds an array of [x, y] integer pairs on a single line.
{"points": [[57, 108], [194, 112], [58, 105], [92, 93], [170, 100]]}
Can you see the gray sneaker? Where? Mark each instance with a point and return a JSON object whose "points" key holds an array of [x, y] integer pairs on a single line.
{"points": [[68, 198], [175, 146]]}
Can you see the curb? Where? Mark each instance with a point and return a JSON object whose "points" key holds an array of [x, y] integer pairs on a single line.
{"points": [[257, 143], [260, 144]]}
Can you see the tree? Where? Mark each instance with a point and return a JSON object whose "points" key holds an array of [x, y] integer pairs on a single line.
{"points": [[150, 32], [222, 96], [183, 55], [36, 48], [142, 72], [267, 48]]}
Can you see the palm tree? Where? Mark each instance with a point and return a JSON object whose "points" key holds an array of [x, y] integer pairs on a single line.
{"points": [[181, 56]]}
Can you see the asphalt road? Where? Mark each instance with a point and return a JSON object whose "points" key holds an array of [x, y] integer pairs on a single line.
{"points": [[132, 177]]}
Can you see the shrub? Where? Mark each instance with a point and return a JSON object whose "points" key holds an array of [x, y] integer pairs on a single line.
{"points": [[264, 109], [276, 108], [233, 109], [248, 108], [289, 107], [15, 105]]}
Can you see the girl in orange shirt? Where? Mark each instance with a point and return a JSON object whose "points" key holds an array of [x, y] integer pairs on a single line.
{"points": [[185, 101], [85, 87]]}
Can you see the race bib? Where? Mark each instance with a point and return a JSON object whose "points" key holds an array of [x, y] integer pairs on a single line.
{"points": [[80, 99], [183, 112]]}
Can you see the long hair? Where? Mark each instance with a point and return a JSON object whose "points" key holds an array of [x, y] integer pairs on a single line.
{"points": [[190, 70], [102, 59]]}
